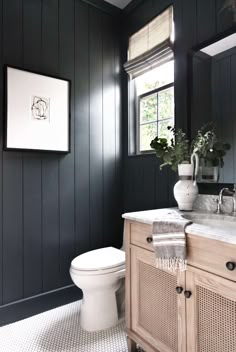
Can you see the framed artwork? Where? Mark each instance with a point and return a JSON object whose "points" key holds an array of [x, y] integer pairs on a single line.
{"points": [[37, 112]]}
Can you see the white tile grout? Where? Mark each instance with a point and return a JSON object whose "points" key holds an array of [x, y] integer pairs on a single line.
{"points": [[58, 330]]}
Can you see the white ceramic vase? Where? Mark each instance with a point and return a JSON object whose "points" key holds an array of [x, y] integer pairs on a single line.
{"points": [[186, 189]]}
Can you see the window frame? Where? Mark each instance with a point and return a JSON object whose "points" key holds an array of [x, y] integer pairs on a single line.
{"points": [[138, 119]]}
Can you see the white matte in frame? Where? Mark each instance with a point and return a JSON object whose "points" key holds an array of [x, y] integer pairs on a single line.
{"points": [[26, 132]]}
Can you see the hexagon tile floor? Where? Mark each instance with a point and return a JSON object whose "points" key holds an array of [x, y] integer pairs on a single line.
{"points": [[58, 330]]}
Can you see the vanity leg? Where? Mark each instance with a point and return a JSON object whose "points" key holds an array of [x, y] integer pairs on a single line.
{"points": [[131, 345]]}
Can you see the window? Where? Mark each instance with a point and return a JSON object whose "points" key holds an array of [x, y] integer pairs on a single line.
{"points": [[155, 105], [150, 66]]}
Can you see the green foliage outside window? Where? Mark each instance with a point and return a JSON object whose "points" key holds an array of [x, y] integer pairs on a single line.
{"points": [[156, 113]]}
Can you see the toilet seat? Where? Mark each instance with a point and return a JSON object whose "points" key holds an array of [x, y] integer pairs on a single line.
{"points": [[99, 261], [120, 269]]}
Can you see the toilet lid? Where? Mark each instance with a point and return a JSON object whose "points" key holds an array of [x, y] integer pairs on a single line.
{"points": [[99, 259]]}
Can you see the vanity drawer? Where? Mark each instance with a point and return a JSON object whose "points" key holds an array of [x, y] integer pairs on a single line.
{"points": [[141, 235], [212, 256]]}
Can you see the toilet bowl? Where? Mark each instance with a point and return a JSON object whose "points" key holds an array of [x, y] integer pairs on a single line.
{"points": [[100, 275]]}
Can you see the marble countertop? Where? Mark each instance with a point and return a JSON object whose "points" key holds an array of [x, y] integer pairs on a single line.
{"points": [[224, 234]]}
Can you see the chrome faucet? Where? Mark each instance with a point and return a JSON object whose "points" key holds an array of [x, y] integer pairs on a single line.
{"points": [[233, 193], [220, 200]]}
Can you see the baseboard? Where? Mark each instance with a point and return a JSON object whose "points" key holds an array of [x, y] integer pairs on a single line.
{"points": [[25, 308]]}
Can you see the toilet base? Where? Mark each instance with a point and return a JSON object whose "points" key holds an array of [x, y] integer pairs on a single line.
{"points": [[99, 311]]}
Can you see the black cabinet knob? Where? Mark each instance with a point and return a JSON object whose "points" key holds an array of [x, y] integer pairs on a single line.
{"points": [[187, 294], [230, 266], [149, 239], [179, 289]]}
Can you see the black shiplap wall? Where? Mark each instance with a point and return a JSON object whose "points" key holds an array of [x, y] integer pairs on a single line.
{"points": [[195, 21], [54, 207]]}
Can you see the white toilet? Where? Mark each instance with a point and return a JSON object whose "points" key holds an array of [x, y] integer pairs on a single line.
{"points": [[100, 275]]}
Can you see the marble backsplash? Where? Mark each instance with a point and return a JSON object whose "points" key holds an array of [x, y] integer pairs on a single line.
{"points": [[208, 202]]}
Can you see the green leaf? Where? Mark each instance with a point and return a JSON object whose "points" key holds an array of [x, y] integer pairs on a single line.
{"points": [[227, 146]]}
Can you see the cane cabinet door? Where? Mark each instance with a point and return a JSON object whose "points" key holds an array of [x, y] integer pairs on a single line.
{"points": [[158, 311], [211, 312]]}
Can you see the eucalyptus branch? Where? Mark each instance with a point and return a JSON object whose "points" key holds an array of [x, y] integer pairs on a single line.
{"points": [[206, 144]]}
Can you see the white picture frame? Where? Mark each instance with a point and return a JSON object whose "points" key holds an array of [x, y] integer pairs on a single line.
{"points": [[37, 112]]}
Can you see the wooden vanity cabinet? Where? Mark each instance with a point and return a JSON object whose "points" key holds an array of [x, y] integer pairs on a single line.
{"points": [[193, 311], [155, 313], [211, 312]]}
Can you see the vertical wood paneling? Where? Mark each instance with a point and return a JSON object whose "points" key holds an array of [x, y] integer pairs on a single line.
{"points": [[50, 36], [118, 204], [162, 190], [12, 170], [12, 39], [67, 179], [138, 186], [223, 109], [82, 128], [187, 38], [206, 19], [128, 173], [50, 164], [109, 128], [96, 128], [32, 30], [180, 68], [172, 179], [216, 100], [224, 19], [1, 155], [233, 108], [149, 173], [201, 94], [189, 23], [12, 228], [129, 185], [32, 226], [50, 224], [1, 236], [226, 117], [32, 188], [216, 103]]}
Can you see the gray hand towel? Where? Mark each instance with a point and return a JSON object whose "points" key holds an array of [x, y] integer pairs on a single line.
{"points": [[169, 242]]}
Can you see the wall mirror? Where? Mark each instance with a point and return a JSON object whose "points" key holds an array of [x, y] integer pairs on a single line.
{"points": [[212, 91]]}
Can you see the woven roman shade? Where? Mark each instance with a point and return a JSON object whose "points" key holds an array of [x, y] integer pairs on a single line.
{"points": [[151, 46]]}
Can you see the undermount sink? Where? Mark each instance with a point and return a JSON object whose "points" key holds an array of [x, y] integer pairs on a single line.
{"points": [[224, 222]]}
